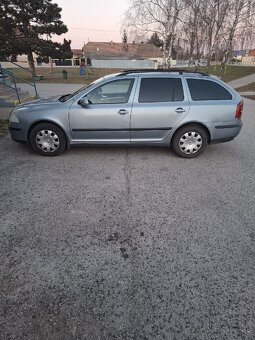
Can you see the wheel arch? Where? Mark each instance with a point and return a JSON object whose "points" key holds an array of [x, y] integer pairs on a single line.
{"points": [[203, 126], [47, 121]]}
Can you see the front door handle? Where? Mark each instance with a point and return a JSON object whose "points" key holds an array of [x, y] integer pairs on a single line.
{"points": [[180, 110], [123, 112]]}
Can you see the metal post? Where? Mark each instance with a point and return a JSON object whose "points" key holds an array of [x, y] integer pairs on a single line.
{"points": [[33, 77], [16, 89]]}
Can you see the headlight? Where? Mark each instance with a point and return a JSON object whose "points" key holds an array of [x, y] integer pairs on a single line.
{"points": [[13, 118]]}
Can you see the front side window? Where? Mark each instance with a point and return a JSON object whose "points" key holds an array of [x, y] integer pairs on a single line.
{"points": [[114, 92], [160, 90], [201, 89]]}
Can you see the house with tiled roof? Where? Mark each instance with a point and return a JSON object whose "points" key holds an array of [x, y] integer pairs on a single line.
{"points": [[251, 53], [115, 55]]}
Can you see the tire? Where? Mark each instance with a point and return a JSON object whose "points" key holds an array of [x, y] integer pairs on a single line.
{"points": [[190, 141], [47, 139]]}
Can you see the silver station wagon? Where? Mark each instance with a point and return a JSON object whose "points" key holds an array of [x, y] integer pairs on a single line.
{"points": [[176, 108]]}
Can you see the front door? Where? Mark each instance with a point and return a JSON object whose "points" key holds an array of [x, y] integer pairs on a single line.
{"points": [[106, 116]]}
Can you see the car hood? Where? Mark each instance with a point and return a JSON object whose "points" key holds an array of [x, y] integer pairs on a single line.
{"points": [[41, 101]]}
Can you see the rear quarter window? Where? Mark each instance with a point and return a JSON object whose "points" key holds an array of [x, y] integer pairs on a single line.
{"points": [[207, 90]]}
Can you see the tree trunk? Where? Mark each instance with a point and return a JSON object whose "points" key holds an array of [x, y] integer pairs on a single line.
{"points": [[169, 57], [191, 53], [31, 62], [164, 53], [170, 50]]}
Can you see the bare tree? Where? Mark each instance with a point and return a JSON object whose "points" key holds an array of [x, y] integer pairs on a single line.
{"points": [[193, 27], [156, 16], [240, 23], [203, 27], [213, 14]]}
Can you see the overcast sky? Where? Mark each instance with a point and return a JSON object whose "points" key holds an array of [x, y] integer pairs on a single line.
{"points": [[92, 20]]}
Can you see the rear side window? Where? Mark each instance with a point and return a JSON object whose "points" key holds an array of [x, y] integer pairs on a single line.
{"points": [[207, 90], [160, 90]]}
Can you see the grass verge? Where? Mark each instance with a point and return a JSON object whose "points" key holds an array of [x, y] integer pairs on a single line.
{"points": [[3, 127], [56, 76], [232, 72], [252, 97], [246, 88]]}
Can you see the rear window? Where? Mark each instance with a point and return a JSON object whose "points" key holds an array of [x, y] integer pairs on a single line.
{"points": [[160, 90], [207, 90]]}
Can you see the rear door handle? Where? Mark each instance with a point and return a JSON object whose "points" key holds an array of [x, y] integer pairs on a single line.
{"points": [[180, 110], [123, 112]]}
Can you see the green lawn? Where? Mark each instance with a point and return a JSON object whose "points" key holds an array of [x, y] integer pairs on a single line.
{"points": [[231, 72], [3, 127], [56, 76]]}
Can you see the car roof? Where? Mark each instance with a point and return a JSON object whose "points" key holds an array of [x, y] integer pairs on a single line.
{"points": [[154, 72]]}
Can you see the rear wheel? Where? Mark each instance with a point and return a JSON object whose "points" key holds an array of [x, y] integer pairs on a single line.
{"points": [[189, 141], [47, 139]]}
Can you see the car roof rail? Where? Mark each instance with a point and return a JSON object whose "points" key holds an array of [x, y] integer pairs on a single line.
{"points": [[163, 70]]}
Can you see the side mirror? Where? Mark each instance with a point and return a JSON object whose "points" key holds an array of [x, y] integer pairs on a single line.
{"points": [[83, 101]]}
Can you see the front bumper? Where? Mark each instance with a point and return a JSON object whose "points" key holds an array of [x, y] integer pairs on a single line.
{"points": [[17, 133]]}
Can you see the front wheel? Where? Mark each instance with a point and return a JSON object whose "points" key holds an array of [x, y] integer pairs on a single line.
{"points": [[189, 141], [47, 139]]}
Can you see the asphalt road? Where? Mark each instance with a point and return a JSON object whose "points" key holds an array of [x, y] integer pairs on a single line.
{"points": [[128, 243]]}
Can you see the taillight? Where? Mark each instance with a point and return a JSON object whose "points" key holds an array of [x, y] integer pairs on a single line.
{"points": [[239, 109]]}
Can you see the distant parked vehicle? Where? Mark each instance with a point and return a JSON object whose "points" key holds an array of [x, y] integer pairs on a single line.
{"points": [[177, 108]]}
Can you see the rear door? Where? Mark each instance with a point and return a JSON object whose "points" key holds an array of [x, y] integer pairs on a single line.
{"points": [[159, 105]]}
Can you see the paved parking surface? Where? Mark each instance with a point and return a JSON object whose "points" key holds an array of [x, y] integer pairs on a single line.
{"points": [[128, 243], [242, 81]]}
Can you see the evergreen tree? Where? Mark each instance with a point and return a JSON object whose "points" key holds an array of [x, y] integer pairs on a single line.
{"points": [[56, 50], [124, 37], [125, 40], [155, 40], [27, 26]]}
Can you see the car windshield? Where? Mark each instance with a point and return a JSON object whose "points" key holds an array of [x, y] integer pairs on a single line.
{"points": [[66, 97]]}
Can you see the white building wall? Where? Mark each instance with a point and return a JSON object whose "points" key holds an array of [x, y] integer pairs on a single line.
{"points": [[118, 63], [248, 61]]}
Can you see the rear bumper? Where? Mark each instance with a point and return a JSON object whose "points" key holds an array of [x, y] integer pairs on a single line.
{"points": [[225, 131]]}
